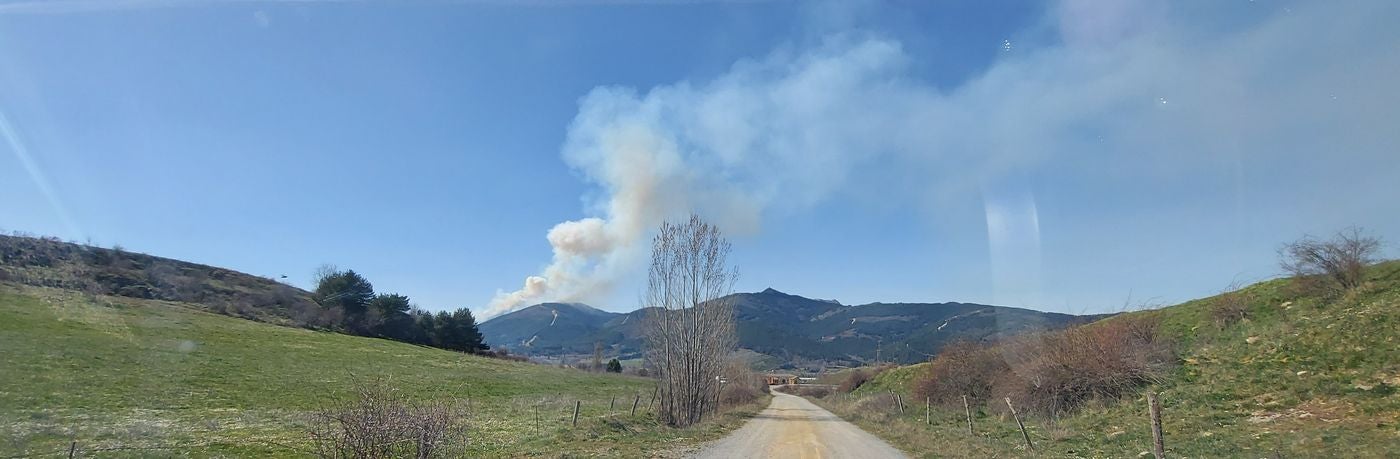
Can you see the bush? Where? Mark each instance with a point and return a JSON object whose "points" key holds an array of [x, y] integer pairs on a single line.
{"points": [[854, 380], [1340, 261], [961, 369], [1058, 372], [1230, 307], [738, 394], [1054, 372], [380, 423], [742, 385]]}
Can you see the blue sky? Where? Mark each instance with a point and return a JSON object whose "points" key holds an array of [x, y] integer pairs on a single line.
{"points": [[1071, 156]]}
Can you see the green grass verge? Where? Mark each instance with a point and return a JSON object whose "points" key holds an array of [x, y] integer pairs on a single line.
{"points": [[141, 378]]}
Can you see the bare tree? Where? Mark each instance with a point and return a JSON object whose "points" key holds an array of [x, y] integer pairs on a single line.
{"points": [[1341, 259], [690, 326]]}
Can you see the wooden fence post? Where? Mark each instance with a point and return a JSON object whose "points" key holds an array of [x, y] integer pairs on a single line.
{"points": [[900, 400], [928, 410], [1154, 410], [72, 449], [611, 403], [1020, 424], [577, 404], [968, 409], [634, 404]]}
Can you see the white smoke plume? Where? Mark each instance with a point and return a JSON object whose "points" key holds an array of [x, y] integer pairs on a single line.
{"points": [[783, 126], [1134, 90]]}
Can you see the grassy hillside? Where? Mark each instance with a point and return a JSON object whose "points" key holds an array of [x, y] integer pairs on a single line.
{"points": [[896, 379], [49, 262], [1300, 375], [149, 377]]}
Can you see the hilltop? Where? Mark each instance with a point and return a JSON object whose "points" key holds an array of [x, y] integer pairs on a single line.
{"points": [[50, 262], [784, 327]]}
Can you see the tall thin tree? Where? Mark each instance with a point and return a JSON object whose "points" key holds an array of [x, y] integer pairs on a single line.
{"points": [[690, 323]]}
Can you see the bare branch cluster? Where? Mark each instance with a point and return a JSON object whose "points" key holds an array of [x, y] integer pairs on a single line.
{"points": [[1341, 260], [380, 423], [690, 321]]}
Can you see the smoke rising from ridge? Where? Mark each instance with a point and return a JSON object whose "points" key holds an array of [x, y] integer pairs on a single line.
{"points": [[1126, 89], [781, 127]]}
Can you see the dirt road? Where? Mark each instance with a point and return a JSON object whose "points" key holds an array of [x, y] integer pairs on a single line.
{"points": [[792, 427]]}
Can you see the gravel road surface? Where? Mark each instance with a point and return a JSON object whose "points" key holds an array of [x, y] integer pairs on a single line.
{"points": [[792, 427]]}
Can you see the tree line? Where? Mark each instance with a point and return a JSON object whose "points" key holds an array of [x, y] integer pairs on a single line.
{"points": [[350, 303]]}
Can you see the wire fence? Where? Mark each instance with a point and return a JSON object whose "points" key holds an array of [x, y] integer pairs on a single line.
{"points": [[537, 411]]}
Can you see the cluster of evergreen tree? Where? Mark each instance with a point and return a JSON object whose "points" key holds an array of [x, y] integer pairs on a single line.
{"points": [[353, 307]]}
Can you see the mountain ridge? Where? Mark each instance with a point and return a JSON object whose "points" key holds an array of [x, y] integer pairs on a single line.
{"points": [[790, 328]]}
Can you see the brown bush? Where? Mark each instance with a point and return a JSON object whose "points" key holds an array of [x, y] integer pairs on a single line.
{"points": [[962, 369], [742, 385], [380, 423], [1053, 372], [854, 380], [738, 394], [1230, 307], [1058, 372], [1339, 261]]}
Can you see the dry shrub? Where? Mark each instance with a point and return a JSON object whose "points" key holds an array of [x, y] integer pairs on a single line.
{"points": [[742, 385], [1230, 307], [854, 380], [1058, 372], [1339, 262], [738, 394], [961, 369], [1055, 372], [378, 422]]}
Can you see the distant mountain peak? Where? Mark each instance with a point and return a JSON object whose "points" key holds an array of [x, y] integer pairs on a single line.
{"points": [[771, 291]]}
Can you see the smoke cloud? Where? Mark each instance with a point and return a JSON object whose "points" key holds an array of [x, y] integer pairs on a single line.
{"points": [[1134, 90]]}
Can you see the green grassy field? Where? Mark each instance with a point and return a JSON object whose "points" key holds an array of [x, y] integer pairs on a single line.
{"points": [[139, 378], [1302, 376]]}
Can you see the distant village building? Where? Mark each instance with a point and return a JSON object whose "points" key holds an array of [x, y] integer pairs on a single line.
{"points": [[777, 379]]}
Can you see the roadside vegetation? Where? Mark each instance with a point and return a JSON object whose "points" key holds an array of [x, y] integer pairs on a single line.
{"points": [[1306, 366]]}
